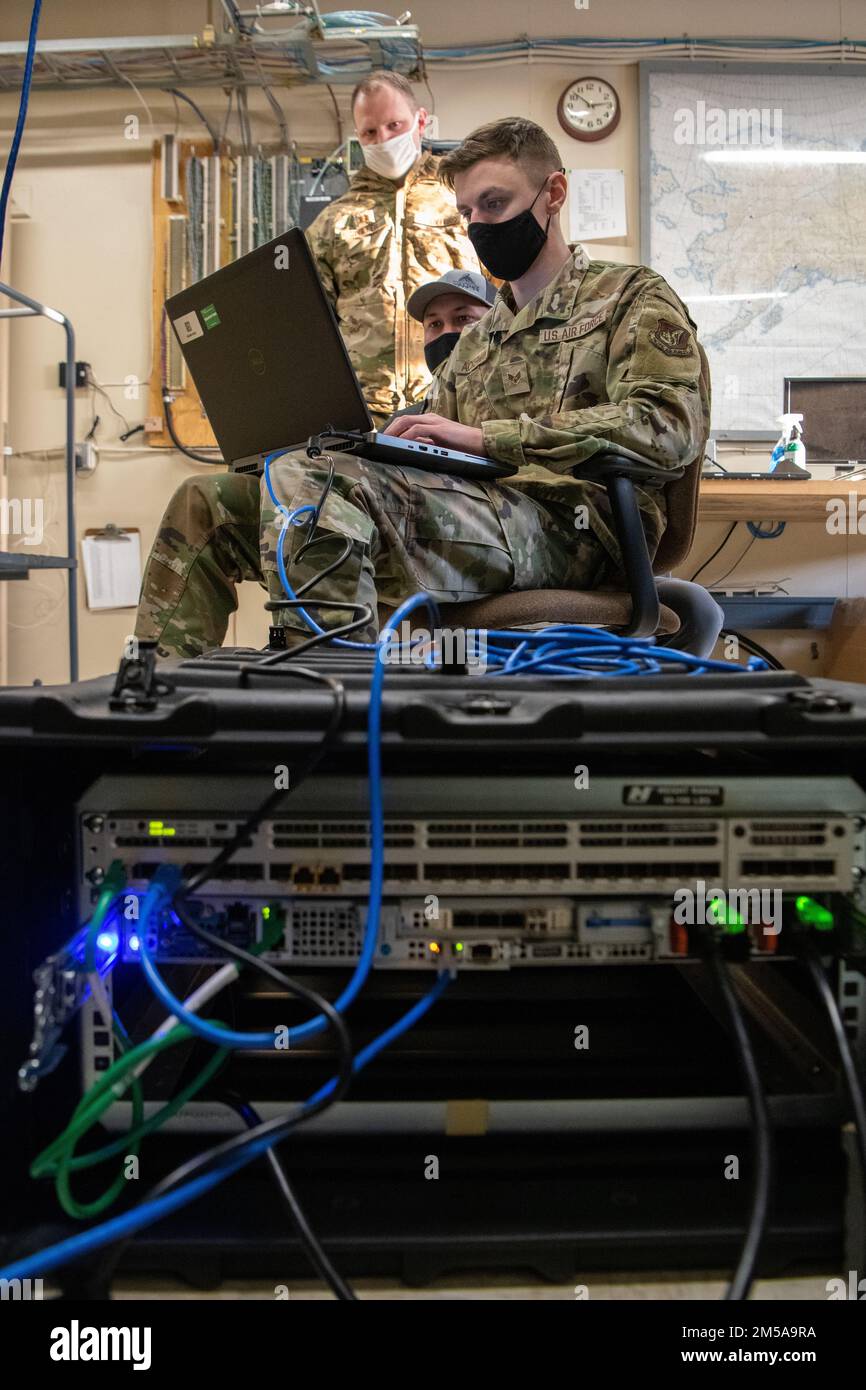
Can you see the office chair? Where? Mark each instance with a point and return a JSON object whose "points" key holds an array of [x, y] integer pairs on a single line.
{"points": [[680, 614]]}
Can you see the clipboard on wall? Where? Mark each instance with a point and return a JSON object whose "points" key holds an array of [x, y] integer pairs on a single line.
{"points": [[111, 559]]}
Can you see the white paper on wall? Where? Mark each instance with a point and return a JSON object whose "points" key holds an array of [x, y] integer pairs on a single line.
{"points": [[596, 204]]}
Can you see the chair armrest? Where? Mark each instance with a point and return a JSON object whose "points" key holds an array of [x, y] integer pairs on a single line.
{"points": [[615, 461], [617, 470]]}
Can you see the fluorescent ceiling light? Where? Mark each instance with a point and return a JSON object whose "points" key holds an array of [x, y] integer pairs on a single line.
{"points": [[716, 298], [774, 156]]}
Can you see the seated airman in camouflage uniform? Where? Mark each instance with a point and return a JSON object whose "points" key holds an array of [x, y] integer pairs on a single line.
{"points": [[210, 536], [574, 354], [393, 231]]}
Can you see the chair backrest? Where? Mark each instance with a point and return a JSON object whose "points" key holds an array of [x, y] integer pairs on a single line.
{"points": [[681, 498]]}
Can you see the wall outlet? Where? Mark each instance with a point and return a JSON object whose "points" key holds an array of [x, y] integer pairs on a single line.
{"points": [[86, 456]]}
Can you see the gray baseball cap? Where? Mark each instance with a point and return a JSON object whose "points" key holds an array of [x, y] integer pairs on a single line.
{"points": [[468, 282]]}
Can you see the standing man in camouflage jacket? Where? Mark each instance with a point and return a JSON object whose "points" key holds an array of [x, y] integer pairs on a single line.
{"points": [[395, 228], [575, 354]]}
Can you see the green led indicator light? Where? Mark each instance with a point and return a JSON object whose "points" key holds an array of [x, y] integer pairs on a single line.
{"points": [[814, 914], [156, 827], [266, 912], [458, 945], [725, 917]]}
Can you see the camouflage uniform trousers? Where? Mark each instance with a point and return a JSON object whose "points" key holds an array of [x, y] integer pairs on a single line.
{"points": [[411, 530], [206, 544], [408, 530]]}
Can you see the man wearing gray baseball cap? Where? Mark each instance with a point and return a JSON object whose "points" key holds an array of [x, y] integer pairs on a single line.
{"points": [[445, 307]]}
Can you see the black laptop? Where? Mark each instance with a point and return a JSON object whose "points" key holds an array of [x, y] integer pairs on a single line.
{"points": [[270, 365]]}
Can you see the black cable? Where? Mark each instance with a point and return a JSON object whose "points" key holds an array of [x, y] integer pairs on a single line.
{"points": [[755, 648], [316, 450], [849, 1068], [744, 1274], [112, 1253], [95, 386], [234, 15], [274, 798], [274, 105], [264, 967], [329, 569], [230, 92], [714, 583], [307, 1236], [733, 527], [244, 120], [279, 1128], [276, 1130], [329, 89], [715, 463], [366, 616], [176, 92], [307, 766], [218, 462]]}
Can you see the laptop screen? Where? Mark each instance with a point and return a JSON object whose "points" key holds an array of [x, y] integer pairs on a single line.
{"points": [[263, 347]]}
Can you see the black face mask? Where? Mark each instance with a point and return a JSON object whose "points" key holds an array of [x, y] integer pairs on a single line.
{"points": [[509, 248], [439, 349]]}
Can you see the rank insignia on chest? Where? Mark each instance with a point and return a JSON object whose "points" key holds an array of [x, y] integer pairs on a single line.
{"points": [[515, 377]]}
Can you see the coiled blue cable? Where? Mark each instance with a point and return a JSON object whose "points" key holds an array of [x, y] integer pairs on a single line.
{"points": [[755, 528]]}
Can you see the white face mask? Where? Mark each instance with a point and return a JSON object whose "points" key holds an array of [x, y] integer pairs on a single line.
{"points": [[395, 157]]}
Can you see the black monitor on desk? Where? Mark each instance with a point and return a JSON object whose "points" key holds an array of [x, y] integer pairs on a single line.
{"points": [[834, 416]]}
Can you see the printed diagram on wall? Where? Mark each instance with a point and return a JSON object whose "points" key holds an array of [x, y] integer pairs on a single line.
{"points": [[754, 207]]}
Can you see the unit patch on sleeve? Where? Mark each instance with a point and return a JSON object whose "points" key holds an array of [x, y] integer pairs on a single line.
{"points": [[671, 339]]}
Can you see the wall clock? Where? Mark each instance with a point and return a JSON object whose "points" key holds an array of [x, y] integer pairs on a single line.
{"points": [[589, 109]]}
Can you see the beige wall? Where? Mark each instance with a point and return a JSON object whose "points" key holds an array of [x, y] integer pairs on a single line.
{"points": [[84, 245], [453, 22]]}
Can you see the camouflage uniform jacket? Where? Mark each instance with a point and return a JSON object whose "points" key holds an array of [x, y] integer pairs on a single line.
{"points": [[606, 353], [374, 246]]}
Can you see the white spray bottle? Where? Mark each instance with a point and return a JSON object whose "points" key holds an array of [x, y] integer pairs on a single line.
{"points": [[790, 451]]}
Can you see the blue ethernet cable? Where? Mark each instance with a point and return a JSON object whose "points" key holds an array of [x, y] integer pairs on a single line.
{"points": [[23, 103], [167, 880], [291, 519], [129, 1222]]}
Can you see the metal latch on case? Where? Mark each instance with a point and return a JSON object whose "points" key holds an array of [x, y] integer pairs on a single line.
{"points": [[485, 705]]}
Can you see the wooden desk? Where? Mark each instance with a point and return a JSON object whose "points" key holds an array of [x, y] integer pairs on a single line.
{"points": [[746, 500]]}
